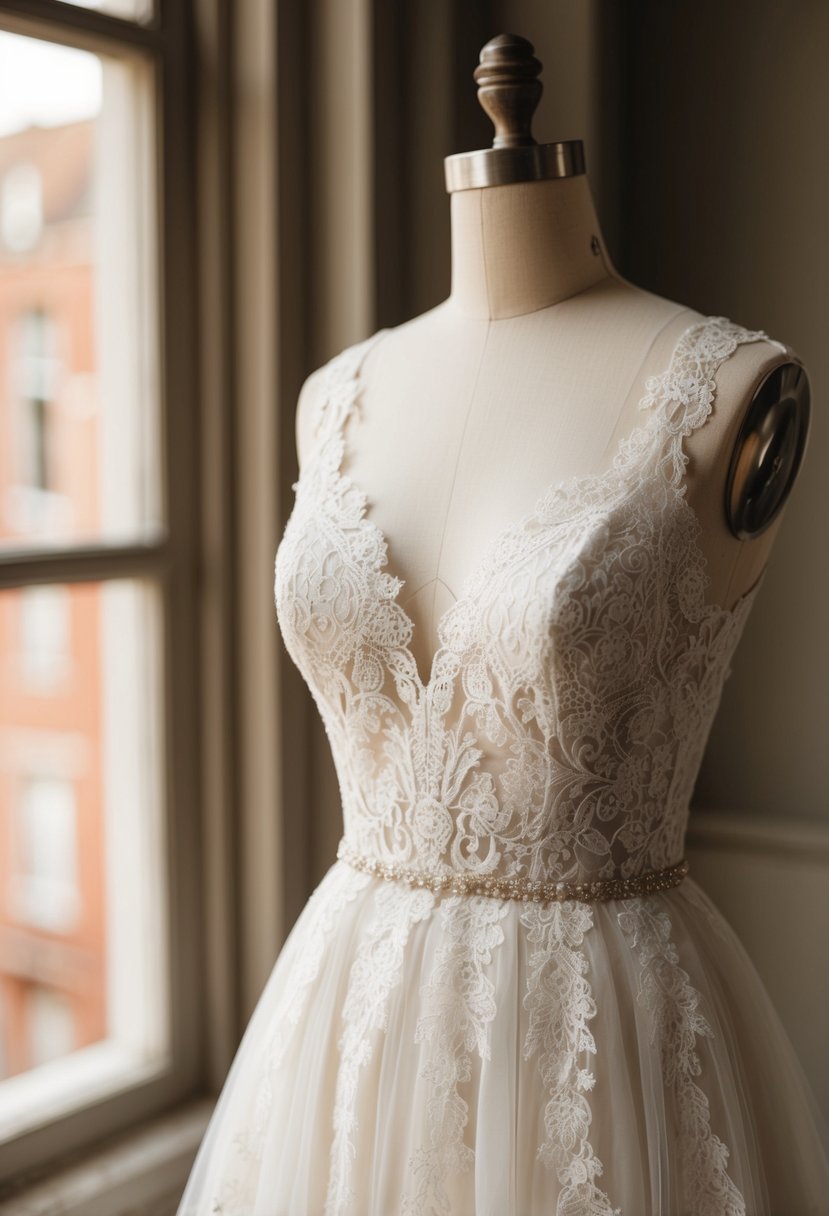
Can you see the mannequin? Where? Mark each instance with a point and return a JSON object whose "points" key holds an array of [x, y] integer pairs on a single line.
{"points": [[420, 1051], [531, 371]]}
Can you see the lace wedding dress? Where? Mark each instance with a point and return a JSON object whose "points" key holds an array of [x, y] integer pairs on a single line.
{"points": [[506, 996]]}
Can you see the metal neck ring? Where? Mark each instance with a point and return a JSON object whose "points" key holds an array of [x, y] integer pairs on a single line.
{"points": [[504, 166]]}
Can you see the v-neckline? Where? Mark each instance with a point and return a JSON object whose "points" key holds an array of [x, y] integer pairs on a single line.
{"points": [[630, 454]]}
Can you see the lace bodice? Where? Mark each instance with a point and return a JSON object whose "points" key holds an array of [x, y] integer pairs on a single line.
{"points": [[561, 728]]}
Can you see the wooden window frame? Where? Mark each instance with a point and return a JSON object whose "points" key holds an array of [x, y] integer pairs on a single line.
{"points": [[172, 559]]}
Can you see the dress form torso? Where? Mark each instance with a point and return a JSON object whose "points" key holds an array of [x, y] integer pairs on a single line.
{"points": [[530, 372]]}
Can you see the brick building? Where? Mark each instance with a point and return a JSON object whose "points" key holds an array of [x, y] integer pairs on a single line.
{"points": [[52, 897]]}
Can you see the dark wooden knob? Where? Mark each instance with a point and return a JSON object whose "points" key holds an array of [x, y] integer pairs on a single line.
{"points": [[509, 89]]}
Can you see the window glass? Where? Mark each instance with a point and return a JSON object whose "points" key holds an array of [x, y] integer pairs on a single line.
{"points": [[45, 640], [51, 1025], [43, 886], [82, 871], [79, 454]]}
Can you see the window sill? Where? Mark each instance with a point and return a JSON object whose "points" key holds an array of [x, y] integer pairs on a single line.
{"points": [[48, 1092], [141, 1174]]}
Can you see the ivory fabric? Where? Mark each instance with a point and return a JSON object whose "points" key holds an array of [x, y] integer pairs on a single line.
{"points": [[422, 1051]]}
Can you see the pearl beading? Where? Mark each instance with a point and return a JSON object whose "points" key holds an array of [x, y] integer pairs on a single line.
{"points": [[518, 888]]}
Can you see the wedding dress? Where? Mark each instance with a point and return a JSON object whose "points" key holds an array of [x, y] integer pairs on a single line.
{"points": [[507, 996]]}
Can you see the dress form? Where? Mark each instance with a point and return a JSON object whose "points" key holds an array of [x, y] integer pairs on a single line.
{"points": [[530, 371]]}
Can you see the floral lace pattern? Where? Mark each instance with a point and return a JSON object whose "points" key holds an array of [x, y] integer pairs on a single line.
{"points": [[666, 992], [560, 1004], [580, 659], [460, 1004]]}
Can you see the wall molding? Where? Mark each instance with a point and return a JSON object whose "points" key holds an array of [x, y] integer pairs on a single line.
{"points": [[745, 832]]}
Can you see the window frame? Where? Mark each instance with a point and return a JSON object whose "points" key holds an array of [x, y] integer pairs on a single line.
{"points": [[171, 558]]}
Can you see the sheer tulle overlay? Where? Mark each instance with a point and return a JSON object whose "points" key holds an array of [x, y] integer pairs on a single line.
{"points": [[419, 1050], [637, 1065]]}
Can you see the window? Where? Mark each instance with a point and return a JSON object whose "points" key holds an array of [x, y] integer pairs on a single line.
{"points": [[21, 207], [36, 371], [51, 1026], [79, 300], [44, 637], [44, 884], [98, 603]]}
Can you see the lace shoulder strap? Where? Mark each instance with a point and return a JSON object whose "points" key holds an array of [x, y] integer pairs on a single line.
{"points": [[340, 387], [683, 395]]}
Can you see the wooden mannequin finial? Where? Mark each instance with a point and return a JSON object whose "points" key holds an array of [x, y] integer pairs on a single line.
{"points": [[509, 89]]}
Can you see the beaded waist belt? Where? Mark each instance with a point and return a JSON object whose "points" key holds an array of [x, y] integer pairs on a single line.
{"points": [[462, 883]]}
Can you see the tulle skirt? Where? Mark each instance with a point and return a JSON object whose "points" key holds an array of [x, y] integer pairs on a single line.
{"points": [[416, 1052]]}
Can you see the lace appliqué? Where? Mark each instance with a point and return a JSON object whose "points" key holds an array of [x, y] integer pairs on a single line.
{"points": [[560, 1004], [460, 1004], [374, 973], [666, 992], [580, 658]]}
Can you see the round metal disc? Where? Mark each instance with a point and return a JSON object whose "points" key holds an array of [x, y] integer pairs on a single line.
{"points": [[768, 451]]}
